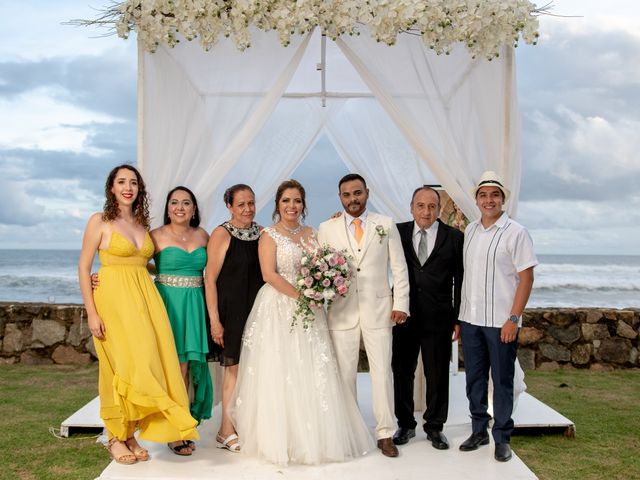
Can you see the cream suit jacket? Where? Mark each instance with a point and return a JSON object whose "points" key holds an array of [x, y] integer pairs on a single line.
{"points": [[369, 300]]}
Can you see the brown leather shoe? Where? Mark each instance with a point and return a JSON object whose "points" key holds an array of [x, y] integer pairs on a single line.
{"points": [[387, 447]]}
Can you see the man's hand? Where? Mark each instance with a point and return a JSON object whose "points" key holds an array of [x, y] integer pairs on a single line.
{"points": [[398, 317], [508, 332], [456, 333]]}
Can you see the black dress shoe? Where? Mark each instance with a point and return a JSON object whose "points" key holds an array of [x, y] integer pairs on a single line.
{"points": [[474, 441], [502, 452], [403, 435], [438, 440]]}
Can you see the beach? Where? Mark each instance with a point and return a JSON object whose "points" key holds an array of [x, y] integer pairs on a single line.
{"points": [[571, 281]]}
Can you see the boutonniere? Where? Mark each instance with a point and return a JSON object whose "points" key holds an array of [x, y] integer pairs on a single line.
{"points": [[381, 232]]}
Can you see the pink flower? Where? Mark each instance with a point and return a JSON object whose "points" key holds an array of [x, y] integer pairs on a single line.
{"points": [[317, 275], [341, 260], [304, 271], [339, 280], [342, 289], [326, 282], [318, 296], [308, 281], [323, 267]]}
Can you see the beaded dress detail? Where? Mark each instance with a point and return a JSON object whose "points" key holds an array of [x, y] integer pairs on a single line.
{"points": [[289, 405]]}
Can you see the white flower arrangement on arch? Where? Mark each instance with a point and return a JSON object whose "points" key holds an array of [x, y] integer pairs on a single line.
{"points": [[483, 26]]}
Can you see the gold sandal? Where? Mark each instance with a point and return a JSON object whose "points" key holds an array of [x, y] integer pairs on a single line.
{"points": [[140, 453], [125, 458]]}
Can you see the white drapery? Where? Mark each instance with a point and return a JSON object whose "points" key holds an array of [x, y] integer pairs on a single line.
{"points": [[400, 115]]}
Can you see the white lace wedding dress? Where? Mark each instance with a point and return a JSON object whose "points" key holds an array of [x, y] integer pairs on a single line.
{"points": [[289, 405]]}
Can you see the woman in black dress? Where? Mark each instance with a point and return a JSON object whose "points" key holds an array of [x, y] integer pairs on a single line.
{"points": [[232, 281]]}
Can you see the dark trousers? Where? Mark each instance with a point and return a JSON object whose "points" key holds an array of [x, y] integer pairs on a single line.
{"points": [[436, 353], [483, 350]]}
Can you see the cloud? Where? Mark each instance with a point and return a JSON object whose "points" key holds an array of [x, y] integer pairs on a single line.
{"points": [[18, 207]]}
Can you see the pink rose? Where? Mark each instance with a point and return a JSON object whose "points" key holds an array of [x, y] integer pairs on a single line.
{"points": [[308, 281], [304, 271], [341, 260], [326, 282], [317, 275], [323, 267], [339, 280], [342, 289]]}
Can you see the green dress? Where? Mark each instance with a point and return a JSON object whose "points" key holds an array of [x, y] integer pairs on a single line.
{"points": [[179, 281]]}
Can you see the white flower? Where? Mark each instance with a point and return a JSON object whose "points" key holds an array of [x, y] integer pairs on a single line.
{"points": [[482, 25]]}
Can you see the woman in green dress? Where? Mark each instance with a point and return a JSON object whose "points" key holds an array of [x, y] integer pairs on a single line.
{"points": [[181, 256]]}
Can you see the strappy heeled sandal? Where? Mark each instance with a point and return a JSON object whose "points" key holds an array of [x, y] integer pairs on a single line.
{"points": [[181, 449], [226, 443], [192, 445], [140, 453], [125, 458]]}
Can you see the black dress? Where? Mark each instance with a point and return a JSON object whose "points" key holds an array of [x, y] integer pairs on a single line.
{"points": [[238, 283]]}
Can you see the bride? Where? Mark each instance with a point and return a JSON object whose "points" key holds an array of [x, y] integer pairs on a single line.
{"points": [[288, 404]]}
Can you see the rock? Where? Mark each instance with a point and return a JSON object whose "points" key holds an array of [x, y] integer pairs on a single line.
{"points": [[599, 367], [7, 360], [609, 314], [629, 317], [31, 358], [593, 316], [614, 350], [529, 336], [596, 344], [527, 358], [12, 338], [548, 366], [581, 354], [66, 355], [565, 335], [594, 331], [91, 348], [555, 352], [48, 332], [560, 318], [633, 358], [77, 333], [626, 331]]}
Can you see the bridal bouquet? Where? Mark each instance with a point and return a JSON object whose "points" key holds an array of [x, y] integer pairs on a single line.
{"points": [[323, 274]]}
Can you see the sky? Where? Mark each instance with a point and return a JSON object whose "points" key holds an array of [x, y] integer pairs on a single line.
{"points": [[68, 115]]}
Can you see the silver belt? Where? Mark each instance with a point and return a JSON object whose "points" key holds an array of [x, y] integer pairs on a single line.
{"points": [[180, 281]]}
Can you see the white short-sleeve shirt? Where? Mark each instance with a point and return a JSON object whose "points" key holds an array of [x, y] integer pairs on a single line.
{"points": [[492, 259]]}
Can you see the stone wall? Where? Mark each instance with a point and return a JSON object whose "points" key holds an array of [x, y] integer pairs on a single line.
{"points": [[36, 333], [600, 339]]}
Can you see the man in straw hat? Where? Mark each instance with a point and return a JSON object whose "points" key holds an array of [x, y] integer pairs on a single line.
{"points": [[498, 276]]}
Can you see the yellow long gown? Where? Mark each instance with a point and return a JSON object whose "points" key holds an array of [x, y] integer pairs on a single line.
{"points": [[140, 383]]}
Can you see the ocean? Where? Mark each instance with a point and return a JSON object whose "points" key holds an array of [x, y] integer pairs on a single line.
{"points": [[560, 280]]}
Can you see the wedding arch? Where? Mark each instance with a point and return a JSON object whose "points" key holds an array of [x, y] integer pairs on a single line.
{"points": [[408, 92]]}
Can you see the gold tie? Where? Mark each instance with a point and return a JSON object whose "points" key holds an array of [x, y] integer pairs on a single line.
{"points": [[357, 223]]}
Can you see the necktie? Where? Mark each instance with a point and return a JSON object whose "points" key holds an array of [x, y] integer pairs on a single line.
{"points": [[422, 247], [357, 223]]}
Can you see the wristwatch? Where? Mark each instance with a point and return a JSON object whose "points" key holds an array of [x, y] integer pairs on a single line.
{"points": [[514, 318]]}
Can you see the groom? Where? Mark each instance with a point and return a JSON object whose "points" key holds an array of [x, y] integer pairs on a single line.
{"points": [[370, 309]]}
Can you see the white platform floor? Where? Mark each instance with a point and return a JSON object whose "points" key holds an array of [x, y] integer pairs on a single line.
{"points": [[417, 460]]}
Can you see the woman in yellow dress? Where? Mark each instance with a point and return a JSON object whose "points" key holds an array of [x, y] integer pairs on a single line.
{"points": [[140, 383]]}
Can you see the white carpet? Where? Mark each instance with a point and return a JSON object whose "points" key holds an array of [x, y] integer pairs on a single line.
{"points": [[417, 460]]}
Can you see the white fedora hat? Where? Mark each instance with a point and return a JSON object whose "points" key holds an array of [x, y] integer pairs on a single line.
{"points": [[491, 179]]}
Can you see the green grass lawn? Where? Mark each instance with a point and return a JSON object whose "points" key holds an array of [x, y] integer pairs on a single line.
{"points": [[604, 407], [606, 412], [34, 398]]}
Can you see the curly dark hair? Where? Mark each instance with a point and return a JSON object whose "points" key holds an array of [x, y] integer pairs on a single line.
{"points": [[140, 205], [195, 220], [283, 186]]}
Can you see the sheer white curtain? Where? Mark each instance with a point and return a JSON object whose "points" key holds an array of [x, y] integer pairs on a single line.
{"points": [[273, 155], [202, 109], [459, 114], [371, 144]]}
